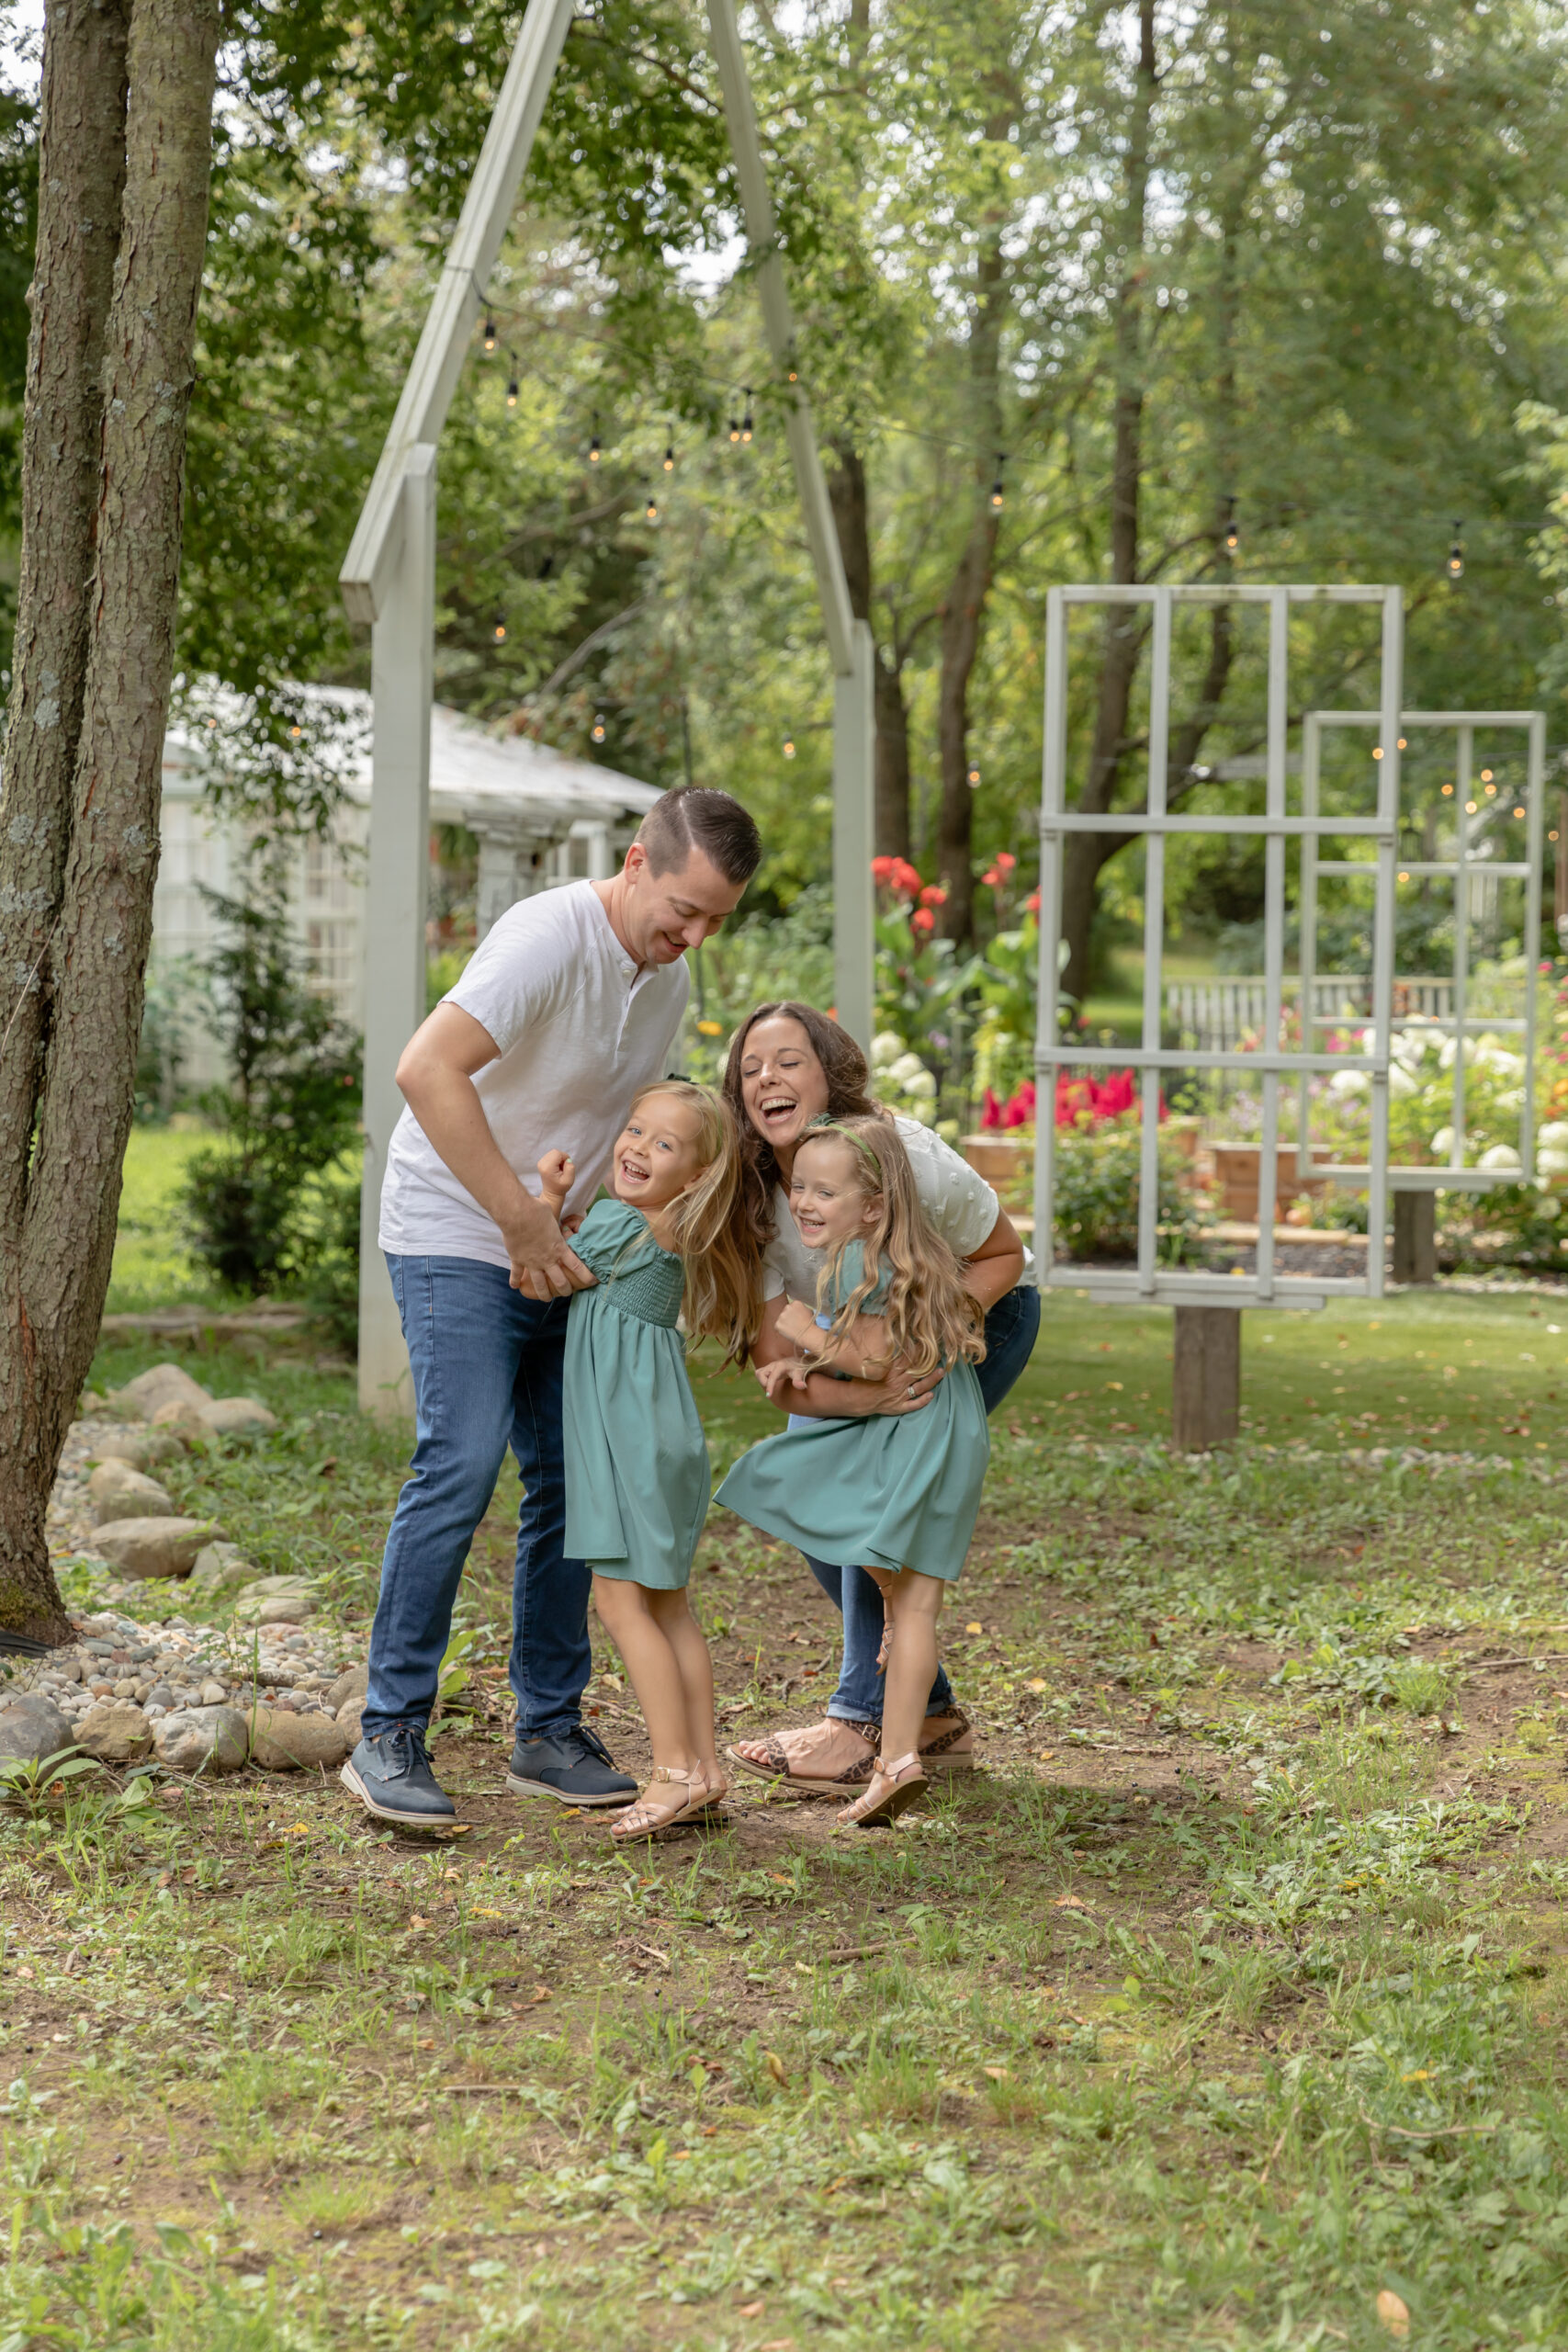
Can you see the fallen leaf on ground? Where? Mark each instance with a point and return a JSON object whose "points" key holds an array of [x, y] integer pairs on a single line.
{"points": [[975, 1628], [418, 1922], [750, 2310], [1037, 1683], [1069, 1903], [997, 2073], [1393, 2312], [540, 1992], [776, 2065]]}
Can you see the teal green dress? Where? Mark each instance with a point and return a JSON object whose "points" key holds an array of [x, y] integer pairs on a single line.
{"points": [[637, 1464], [887, 1490]]}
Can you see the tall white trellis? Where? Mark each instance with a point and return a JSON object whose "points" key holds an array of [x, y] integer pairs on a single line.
{"points": [[1472, 862], [1274, 1063], [389, 582]]}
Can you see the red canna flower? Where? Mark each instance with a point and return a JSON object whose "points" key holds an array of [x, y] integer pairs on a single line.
{"points": [[1005, 860], [882, 868], [1031, 904], [922, 920], [992, 877], [934, 895], [904, 878]]}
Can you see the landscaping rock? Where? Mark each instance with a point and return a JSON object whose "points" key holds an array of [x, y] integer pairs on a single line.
{"points": [[141, 1447], [349, 1719], [213, 1693], [237, 1417], [31, 1727], [275, 1600], [115, 1731], [166, 1384], [117, 1491], [181, 1419], [352, 1685], [281, 1742], [210, 1738], [219, 1566], [154, 1547]]}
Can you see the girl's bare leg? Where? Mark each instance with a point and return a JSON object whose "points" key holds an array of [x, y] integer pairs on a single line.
{"points": [[916, 1603], [673, 1617], [629, 1615]]}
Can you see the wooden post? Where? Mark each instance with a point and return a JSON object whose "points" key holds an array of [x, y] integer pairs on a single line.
{"points": [[1415, 1238], [1206, 1384]]}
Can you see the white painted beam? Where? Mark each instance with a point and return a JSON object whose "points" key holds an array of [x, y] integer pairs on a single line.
{"points": [[428, 387], [401, 665]]}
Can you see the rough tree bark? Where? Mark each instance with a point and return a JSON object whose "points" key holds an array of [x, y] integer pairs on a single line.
{"points": [[1125, 626], [66, 1111], [851, 515]]}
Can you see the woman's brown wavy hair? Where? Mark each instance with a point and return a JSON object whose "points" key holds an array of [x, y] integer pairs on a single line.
{"points": [[849, 1080]]}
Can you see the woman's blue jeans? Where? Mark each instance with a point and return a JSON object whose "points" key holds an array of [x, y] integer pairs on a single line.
{"points": [[487, 1367], [1010, 1329]]}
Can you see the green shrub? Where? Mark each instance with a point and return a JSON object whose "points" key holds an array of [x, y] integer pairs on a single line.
{"points": [[291, 1110], [1098, 1188]]}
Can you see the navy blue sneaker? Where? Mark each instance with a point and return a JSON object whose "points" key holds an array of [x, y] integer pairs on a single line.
{"points": [[576, 1768], [391, 1776]]}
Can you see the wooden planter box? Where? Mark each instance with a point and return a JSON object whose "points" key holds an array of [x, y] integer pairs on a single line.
{"points": [[1235, 1179], [1006, 1161]]}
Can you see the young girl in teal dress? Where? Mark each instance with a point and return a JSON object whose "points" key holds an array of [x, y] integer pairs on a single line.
{"points": [[895, 1494], [637, 1465]]}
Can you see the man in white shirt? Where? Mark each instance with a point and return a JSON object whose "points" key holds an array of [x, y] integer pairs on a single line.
{"points": [[570, 1004]]}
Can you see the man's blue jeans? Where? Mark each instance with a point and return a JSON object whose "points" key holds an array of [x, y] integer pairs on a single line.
{"points": [[486, 1372], [1010, 1329]]}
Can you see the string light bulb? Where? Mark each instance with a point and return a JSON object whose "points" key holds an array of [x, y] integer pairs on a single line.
{"points": [[1456, 553], [1470, 807], [491, 336], [1232, 528], [668, 457], [497, 633], [1403, 744], [1377, 751], [788, 745], [1485, 775], [734, 429], [1447, 791], [512, 391], [747, 426], [597, 729], [595, 446], [650, 508], [1518, 812], [998, 492], [972, 776]]}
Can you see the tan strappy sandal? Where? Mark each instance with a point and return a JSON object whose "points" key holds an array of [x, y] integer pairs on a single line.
{"points": [[652, 1816], [894, 1789]]}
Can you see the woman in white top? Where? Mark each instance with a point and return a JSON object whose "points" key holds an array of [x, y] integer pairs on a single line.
{"points": [[788, 1065]]}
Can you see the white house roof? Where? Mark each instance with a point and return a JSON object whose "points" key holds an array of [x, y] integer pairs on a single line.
{"points": [[475, 773]]}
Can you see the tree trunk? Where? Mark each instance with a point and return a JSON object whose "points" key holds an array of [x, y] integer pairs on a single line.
{"points": [[963, 616], [57, 1241], [1125, 629], [851, 516], [81, 180]]}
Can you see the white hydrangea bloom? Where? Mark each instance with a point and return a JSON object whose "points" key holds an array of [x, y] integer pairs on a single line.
{"points": [[1500, 1157], [907, 1067], [885, 1048], [1346, 1082], [923, 1085], [1554, 1135], [1443, 1142]]}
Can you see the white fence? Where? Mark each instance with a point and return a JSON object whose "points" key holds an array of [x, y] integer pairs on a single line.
{"points": [[1214, 1016]]}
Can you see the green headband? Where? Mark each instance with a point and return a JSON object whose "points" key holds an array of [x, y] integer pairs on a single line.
{"points": [[825, 1124]]}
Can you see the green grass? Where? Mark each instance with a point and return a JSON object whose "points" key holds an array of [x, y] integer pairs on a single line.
{"points": [[1228, 1997], [152, 1266]]}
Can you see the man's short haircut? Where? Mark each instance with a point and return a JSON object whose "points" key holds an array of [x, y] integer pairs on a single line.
{"points": [[695, 816]]}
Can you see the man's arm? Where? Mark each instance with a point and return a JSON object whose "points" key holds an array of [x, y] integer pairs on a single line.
{"points": [[436, 1076]]}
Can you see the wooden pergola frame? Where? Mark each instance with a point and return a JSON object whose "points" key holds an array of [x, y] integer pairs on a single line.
{"points": [[389, 582]]}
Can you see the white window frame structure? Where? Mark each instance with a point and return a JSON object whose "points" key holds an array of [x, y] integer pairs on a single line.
{"points": [[1149, 1282], [389, 582], [1463, 724]]}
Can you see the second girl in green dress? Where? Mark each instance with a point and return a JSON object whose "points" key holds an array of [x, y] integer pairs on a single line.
{"points": [[895, 1494]]}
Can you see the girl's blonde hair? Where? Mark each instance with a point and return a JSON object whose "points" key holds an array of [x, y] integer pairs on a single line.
{"points": [[724, 1285], [931, 1320]]}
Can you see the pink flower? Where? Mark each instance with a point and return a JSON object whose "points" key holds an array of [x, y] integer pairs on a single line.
{"points": [[1005, 860], [1031, 904]]}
